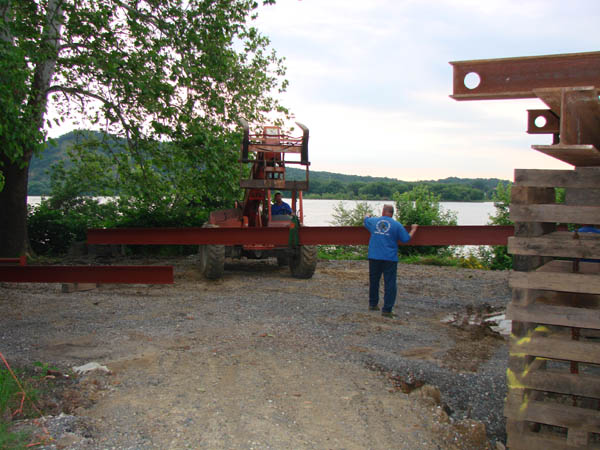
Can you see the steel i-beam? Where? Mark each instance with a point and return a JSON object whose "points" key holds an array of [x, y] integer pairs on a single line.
{"points": [[507, 78], [426, 235], [87, 274]]}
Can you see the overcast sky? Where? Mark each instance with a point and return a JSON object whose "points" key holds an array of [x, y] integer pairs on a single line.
{"points": [[371, 80]]}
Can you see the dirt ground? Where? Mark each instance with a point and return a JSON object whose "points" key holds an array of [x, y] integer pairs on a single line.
{"points": [[263, 360]]}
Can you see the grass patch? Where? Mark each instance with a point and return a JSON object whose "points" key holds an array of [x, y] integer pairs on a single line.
{"points": [[10, 403], [445, 258], [10, 440], [342, 252]]}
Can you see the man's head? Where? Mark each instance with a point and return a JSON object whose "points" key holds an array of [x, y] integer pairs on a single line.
{"points": [[388, 210], [277, 197]]}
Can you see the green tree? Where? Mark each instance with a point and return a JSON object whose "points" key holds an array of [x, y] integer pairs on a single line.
{"points": [[501, 199], [421, 206], [169, 78], [498, 257], [351, 217]]}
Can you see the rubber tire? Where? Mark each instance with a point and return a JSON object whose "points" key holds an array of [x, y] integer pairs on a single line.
{"points": [[212, 261], [283, 260], [303, 261]]}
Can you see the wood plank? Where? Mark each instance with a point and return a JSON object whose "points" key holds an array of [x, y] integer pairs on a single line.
{"points": [[555, 315], [577, 438], [555, 281], [561, 299], [558, 243], [582, 197], [549, 380], [581, 177], [555, 213], [557, 348], [525, 195], [529, 440], [583, 155], [560, 266], [560, 415]]}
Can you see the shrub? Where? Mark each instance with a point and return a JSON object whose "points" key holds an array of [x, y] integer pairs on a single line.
{"points": [[422, 207], [496, 257], [351, 218]]}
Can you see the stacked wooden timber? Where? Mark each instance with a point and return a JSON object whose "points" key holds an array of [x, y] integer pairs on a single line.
{"points": [[553, 377]]}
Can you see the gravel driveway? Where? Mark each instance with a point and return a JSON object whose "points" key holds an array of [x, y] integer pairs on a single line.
{"points": [[263, 360]]}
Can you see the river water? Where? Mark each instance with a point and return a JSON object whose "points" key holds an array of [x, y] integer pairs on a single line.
{"points": [[319, 212]]}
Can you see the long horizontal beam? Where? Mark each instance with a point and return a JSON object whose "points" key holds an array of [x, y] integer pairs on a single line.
{"points": [[507, 78], [426, 235], [87, 274]]}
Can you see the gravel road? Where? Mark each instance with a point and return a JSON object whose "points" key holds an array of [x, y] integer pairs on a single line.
{"points": [[263, 360]]}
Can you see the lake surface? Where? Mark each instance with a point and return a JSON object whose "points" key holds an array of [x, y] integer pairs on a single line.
{"points": [[319, 212]]}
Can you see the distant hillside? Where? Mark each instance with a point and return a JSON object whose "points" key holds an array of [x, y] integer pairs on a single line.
{"points": [[56, 150], [322, 184]]}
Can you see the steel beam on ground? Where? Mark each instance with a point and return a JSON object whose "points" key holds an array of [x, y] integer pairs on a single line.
{"points": [[87, 274], [426, 235], [507, 78]]}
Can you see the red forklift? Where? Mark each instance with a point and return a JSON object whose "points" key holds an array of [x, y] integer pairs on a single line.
{"points": [[268, 154]]}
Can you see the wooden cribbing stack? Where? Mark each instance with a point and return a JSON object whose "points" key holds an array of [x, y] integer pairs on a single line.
{"points": [[553, 375]]}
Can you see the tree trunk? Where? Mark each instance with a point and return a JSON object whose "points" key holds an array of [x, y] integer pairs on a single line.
{"points": [[13, 198], [13, 204]]}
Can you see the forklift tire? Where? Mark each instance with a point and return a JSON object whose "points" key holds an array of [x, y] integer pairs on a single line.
{"points": [[283, 260], [303, 261], [212, 261]]}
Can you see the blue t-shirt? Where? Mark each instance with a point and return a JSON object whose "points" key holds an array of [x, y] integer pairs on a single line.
{"points": [[277, 210], [385, 234]]}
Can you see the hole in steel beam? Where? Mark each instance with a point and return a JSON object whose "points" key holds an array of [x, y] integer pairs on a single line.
{"points": [[472, 80], [540, 121]]}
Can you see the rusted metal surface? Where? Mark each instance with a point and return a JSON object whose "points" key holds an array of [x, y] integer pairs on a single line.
{"points": [[22, 260], [580, 117], [426, 235], [550, 123], [507, 78], [87, 274]]}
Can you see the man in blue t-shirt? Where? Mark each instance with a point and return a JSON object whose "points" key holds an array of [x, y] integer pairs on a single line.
{"points": [[383, 257], [280, 207]]}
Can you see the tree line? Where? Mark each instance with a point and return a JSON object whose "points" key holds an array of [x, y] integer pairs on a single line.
{"points": [[354, 187], [326, 185]]}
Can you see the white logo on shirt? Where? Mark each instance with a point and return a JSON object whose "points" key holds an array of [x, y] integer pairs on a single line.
{"points": [[382, 227]]}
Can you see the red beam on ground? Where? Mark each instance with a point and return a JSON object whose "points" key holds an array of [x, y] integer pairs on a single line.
{"points": [[426, 235], [22, 260], [87, 274]]}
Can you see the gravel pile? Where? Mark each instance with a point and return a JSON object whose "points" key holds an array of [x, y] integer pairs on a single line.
{"points": [[259, 307]]}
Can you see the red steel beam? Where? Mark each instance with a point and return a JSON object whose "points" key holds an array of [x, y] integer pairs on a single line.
{"points": [[426, 235], [87, 274], [507, 78]]}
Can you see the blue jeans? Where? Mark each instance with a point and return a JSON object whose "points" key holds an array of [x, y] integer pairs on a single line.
{"points": [[388, 269]]}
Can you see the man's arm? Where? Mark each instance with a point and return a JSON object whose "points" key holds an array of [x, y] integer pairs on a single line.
{"points": [[403, 235], [413, 230]]}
